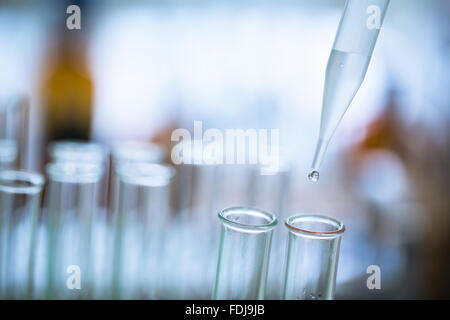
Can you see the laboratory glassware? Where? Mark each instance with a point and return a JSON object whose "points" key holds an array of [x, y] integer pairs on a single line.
{"points": [[138, 226], [312, 257], [20, 195], [14, 122], [195, 195], [83, 152], [73, 201], [195, 191], [131, 151], [244, 251], [349, 59]]}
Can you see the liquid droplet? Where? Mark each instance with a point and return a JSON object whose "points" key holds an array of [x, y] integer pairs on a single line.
{"points": [[341, 66], [313, 176]]}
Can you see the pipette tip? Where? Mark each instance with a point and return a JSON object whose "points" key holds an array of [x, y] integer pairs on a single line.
{"points": [[313, 176]]}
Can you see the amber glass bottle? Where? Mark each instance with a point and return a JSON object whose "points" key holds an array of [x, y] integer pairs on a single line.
{"points": [[67, 88]]}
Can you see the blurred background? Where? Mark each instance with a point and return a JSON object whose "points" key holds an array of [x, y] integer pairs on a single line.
{"points": [[137, 70]]}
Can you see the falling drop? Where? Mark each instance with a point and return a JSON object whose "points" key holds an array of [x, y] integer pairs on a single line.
{"points": [[313, 176]]}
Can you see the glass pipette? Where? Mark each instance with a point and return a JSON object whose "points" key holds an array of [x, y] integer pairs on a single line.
{"points": [[347, 66]]}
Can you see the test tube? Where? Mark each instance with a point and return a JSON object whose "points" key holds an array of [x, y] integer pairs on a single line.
{"points": [[312, 257], [244, 250], [88, 152], [72, 205], [135, 152], [138, 225], [194, 226], [352, 50], [83, 152], [20, 194], [195, 190]]}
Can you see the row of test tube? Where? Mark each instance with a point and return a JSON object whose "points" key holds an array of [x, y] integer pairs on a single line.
{"points": [[126, 252], [245, 245], [74, 247], [122, 224]]}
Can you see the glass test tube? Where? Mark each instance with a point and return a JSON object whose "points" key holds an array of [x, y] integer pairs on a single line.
{"points": [[97, 154], [20, 194], [134, 152], [243, 253], [72, 205], [139, 223], [14, 121], [83, 152], [194, 227], [312, 257]]}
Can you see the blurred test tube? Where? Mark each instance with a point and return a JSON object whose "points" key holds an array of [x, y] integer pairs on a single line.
{"points": [[20, 195], [83, 152], [194, 226], [71, 209], [139, 223], [131, 152]]}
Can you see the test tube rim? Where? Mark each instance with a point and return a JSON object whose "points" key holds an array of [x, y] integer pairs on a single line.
{"points": [[126, 175], [154, 152], [58, 171], [340, 227], [36, 181], [98, 153], [255, 227]]}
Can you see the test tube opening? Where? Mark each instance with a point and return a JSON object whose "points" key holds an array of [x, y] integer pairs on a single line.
{"points": [[74, 172], [20, 181], [77, 151], [315, 226], [244, 251], [312, 257], [145, 174], [248, 218], [136, 151]]}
